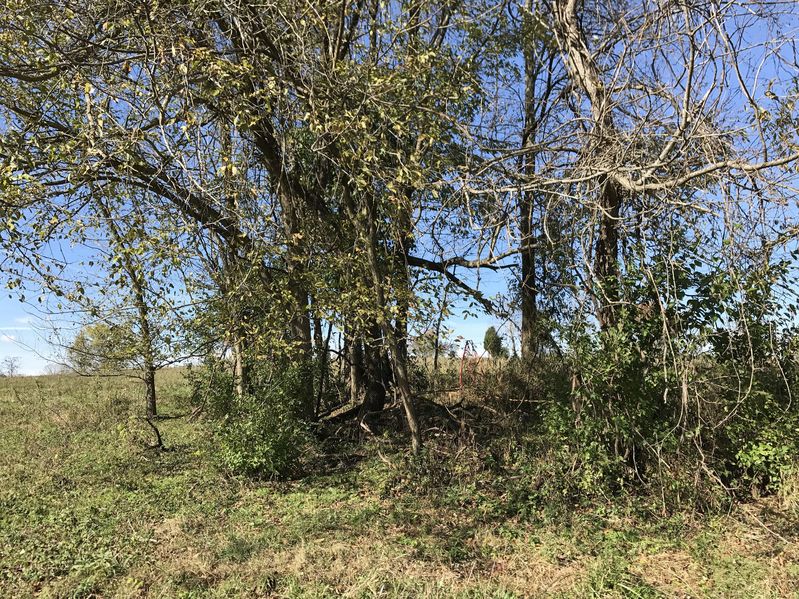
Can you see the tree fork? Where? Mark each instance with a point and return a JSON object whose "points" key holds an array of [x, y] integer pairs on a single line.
{"points": [[584, 72]]}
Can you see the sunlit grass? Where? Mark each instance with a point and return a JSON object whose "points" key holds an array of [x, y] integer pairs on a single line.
{"points": [[86, 509]]}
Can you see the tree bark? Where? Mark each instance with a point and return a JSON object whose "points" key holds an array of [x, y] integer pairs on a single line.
{"points": [[399, 362], [324, 367], [240, 370], [439, 321], [300, 320], [356, 377], [147, 350], [606, 259], [367, 379], [232, 270], [527, 288], [585, 73], [376, 382], [149, 386]]}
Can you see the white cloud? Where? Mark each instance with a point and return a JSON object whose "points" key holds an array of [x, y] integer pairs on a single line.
{"points": [[8, 338]]}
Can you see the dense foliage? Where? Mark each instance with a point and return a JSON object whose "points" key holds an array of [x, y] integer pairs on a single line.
{"points": [[296, 191]]}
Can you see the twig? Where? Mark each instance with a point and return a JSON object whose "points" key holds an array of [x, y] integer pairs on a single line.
{"points": [[766, 528]]}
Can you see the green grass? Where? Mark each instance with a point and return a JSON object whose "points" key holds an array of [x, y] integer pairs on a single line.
{"points": [[86, 510]]}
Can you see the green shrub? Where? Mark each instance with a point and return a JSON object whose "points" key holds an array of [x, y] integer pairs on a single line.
{"points": [[263, 432], [764, 437], [263, 436]]}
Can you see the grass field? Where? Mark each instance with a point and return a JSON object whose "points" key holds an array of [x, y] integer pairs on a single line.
{"points": [[86, 510]]}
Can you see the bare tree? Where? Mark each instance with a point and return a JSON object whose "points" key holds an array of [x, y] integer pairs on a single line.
{"points": [[10, 366]]}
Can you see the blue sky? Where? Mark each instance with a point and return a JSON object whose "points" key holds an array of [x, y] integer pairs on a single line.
{"points": [[25, 333], [21, 337]]}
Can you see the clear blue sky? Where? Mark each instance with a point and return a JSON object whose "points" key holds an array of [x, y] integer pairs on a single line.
{"points": [[21, 336]]}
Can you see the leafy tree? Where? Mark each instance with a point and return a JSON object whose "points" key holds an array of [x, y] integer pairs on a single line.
{"points": [[493, 344], [101, 349]]}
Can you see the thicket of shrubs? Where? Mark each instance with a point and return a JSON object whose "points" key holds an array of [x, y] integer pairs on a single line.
{"points": [[261, 432], [608, 415]]}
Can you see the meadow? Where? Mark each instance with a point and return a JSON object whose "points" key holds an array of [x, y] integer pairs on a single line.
{"points": [[88, 509]]}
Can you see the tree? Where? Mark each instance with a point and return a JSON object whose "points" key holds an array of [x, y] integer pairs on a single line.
{"points": [[9, 366], [133, 268], [493, 344], [101, 349], [326, 144], [544, 80]]}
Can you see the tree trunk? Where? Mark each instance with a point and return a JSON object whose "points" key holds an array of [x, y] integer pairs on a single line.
{"points": [[376, 382], [403, 382], [318, 340], [439, 321], [324, 367], [299, 328], [606, 259], [149, 386], [356, 379], [301, 333], [399, 357], [300, 323], [318, 363], [231, 272], [528, 286], [527, 289], [585, 73], [367, 381], [240, 369], [147, 349]]}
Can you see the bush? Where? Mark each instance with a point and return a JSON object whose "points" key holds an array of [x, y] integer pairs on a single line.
{"points": [[262, 436], [762, 437], [261, 433]]}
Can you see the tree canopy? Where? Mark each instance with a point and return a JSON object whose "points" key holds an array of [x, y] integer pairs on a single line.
{"points": [[282, 182]]}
